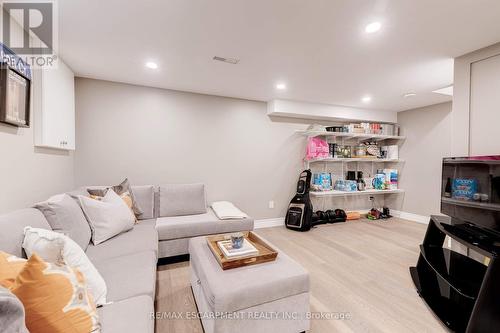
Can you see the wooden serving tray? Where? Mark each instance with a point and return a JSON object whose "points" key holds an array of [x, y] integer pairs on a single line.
{"points": [[266, 252]]}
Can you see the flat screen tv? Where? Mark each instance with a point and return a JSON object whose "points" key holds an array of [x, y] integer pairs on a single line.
{"points": [[14, 97], [470, 191]]}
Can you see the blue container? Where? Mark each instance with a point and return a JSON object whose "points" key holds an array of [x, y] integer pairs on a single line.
{"points": [[464, 188]]}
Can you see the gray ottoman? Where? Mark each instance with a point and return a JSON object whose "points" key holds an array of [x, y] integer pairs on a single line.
{"points": [[269, 297]]}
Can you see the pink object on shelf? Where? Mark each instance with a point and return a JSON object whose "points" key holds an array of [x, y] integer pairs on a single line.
{"points": [[317, 148]]}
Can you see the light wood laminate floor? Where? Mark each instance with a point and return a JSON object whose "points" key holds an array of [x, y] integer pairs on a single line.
{"points": [[359, 267]]}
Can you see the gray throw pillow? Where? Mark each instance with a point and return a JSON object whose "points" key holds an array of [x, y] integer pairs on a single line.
{"points": [[11, 313], [182, 199], [107, 217], [65, 215], [119, 189], [76, 193]]}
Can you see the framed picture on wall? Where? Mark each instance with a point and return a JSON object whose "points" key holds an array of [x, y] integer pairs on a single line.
{"points": [[14, 97]]}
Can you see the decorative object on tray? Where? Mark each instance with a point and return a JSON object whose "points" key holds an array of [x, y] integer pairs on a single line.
{"points": [[265, 252], [237, 240], [244, 251]]}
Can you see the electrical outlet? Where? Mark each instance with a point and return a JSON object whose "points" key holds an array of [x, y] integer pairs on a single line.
{"points": [[271, 204], [371, 198]]}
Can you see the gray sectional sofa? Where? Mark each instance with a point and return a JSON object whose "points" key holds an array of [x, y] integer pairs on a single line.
{"points": [[128, 261]]}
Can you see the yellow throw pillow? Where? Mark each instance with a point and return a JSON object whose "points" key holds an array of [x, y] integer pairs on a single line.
{"points": [[10, 267], [127, 198], [55, 298]]}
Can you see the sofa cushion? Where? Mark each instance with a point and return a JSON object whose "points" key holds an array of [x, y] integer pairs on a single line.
{"points": [[65, 215], [244, 287], [11, 313], [12, 228], [128, 316], [198, 225], [107, 217], [55, 248], [182, 199], [144, 195], [129, 275], [143, 237]]}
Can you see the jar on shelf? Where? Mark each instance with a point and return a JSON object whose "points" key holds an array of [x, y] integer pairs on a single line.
{"points": [[342, 151], [360, 151]]}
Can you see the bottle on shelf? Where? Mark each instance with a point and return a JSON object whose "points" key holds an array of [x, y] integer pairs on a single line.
{"points": [[447, 188]]}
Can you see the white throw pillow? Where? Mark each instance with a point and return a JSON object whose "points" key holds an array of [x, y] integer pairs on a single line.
{"points": [[107, 217], [55, 247]]}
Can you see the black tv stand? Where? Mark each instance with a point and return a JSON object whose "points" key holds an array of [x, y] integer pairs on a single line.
{"points": [[462, 292]]}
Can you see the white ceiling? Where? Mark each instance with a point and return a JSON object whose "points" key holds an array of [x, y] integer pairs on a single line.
{"points": [[317, 47]]}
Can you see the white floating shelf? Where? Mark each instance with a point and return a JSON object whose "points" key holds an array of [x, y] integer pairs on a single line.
{"points": [[364, 136], [356, 159], [336, 193]]}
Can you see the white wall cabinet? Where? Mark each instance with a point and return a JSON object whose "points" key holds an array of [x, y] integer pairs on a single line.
{"points": [[485, 107], [54, 106], [476, 103]]}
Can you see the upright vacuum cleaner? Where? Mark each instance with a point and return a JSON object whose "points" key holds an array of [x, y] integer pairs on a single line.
{"points": [[300, 210], [300, 215]]}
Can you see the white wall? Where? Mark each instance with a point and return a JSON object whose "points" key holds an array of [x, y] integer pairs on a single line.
{"points": [[29, 174], [428, 140], [156, 136]]}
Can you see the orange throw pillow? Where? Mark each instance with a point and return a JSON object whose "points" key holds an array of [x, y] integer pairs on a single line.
{"points": [[10, 266], [55, 298]]}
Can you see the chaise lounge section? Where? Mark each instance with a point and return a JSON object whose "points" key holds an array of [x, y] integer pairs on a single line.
{"points": [[128, 261], [130, 277]]}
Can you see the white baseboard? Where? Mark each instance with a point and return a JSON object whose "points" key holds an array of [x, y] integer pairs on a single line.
{"points": [[411, 217], [268, 223]]}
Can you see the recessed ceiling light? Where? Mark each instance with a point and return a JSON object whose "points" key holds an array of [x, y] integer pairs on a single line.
{"points": [[445, 91], [373, 27], [410, 94], [366, 99], [281, 86], [152, 65]]}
